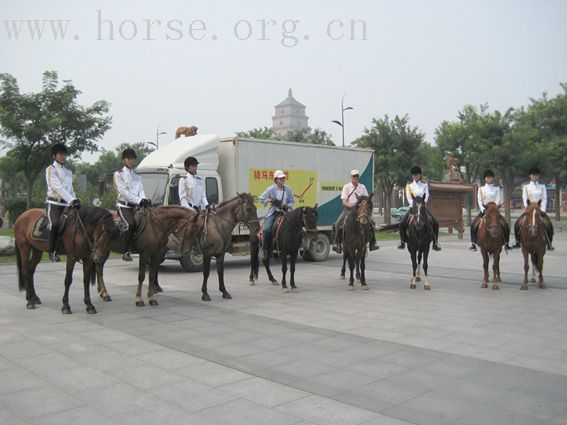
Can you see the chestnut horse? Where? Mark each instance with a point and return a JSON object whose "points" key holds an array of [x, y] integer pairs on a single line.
{"points": [[86, 237], [534, 243], [490, 239]]}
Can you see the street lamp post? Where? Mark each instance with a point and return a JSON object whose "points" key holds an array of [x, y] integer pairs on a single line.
{"points": [[342, 121], [158, 133]]}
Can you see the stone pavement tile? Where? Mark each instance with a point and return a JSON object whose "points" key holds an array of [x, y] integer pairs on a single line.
{"points": [[387, 420], [150, 376], [47, 362], [544, 385], [85, 415], [6, 364], [160, 413], [445, 408], [7, 418], [262, 360], [340, 358], [20, 349], [169, 359], [412, 357], [302, 350], [377, 368], [488, 415], [241, 412], [265, 392], [111, 360], [456, 366], [76, 379], [501, 376], [7, 337], [391, 391], [237, 350], [38, 401], [303, 368], [324, 411], [274, 342], [422, 377], [191, 395], [116, 399], [560, 419], [134, 346], [539, 363], [212, 374], [14, 380], [362, 399], [343, 379]]}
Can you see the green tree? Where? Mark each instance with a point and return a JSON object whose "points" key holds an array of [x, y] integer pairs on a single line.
{"points": [[32, 122], [257, 133], [307, 135], [396, 148]]}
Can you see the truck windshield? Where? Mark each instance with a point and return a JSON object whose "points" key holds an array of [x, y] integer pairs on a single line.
{"points": [[154, 186]]}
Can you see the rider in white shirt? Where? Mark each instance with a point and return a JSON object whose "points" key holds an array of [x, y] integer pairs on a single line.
{"points": [[487, 193], [349, 197], [60, 194], [535, 192], [418, 188], [192, 188], [130, 190]]}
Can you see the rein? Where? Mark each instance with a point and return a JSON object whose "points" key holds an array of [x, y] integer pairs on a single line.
{"points": [[85, 235]]}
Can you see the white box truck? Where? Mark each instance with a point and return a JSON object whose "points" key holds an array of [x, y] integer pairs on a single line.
{"points": [[232, 165]]}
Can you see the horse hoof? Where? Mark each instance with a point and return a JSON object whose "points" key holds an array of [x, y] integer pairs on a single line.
{"points": [[412, 286], [295, 290], [30, 305], [140, 304], [226, 296], [495, 287], [484, 285], [524, 288], [532, 280], [364, 287], [285, 290], [157, 288], [35, 299], [342, 277], [106, 298], [427, 287], [275, 282], [154, 302], [542, 286], [66, 310], [251, 283], [91, 309], [418, 279], [350, 287], [206, 297]]}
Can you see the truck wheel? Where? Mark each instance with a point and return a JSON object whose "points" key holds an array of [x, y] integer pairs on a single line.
{"points": [[192, 262], [318, 248]]}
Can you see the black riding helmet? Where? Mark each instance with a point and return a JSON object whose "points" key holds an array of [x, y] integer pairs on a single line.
{"points": [[128, 153], [488, 173], [534, 171], [190, 160], [415, 170], [59, 148]]}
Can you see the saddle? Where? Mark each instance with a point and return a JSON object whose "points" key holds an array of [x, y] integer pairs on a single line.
{"points": [[40, 230], [275, 234]]}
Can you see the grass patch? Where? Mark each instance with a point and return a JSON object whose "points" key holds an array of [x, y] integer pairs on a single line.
{"points": [[7, 232], [11, 259]]}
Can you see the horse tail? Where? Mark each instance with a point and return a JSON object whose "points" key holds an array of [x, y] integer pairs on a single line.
{"points": [[534, 259], [93, 275], [21, 284], [389, 227]]}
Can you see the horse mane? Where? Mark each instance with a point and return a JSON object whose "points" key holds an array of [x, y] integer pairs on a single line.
{"points": [[94, 215], [294, 218], [243, 196]]}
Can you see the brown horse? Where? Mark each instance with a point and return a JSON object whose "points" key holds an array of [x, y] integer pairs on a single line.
{"points": [[355, 240], [216, 236], [86, 237], [534, 244], [490, 239]]}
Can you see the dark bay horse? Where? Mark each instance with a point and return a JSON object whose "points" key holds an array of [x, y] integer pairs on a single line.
{"points": [[215, 238], [287, 243], [355, 240], [85, 237], [490, 239], [534, 243]]}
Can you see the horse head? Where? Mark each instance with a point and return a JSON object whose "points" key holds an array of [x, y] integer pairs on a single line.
{"points": [[246, 212], [492, 220], [309, 217], [364, 209], [418, 212], [534, 219], [101, 229]]}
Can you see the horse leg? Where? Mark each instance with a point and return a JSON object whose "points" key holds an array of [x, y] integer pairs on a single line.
{"points": [[485, 260], [206, 272], [362, 271], [413, 256], [540, 270], [343, 269], [426, 284], [418, 270], [220, 273], [526, 268], [495, 270], [66, 309], [351, 267], [101, 287], [533, 258], [271, 277], [141, 277], [154, 264], [32, 265], [357, 265], [293, 259], [285, 289], [88, 270], [254, 260]]}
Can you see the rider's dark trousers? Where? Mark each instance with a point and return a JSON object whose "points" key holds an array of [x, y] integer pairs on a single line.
{"points": [[127, 215], [54, 213]]}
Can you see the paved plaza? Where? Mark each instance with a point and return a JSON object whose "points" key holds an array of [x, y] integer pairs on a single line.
{"points": [[457, 354]]}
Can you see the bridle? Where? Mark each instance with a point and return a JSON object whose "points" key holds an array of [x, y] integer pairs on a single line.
{"points": [[364, 213], [304, 221]]}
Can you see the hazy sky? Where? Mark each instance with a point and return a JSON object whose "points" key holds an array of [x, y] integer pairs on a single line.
{"points": [[223, 65]]}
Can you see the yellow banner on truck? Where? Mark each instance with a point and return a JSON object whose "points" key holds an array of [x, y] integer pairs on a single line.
{"points": [[303, 183]]}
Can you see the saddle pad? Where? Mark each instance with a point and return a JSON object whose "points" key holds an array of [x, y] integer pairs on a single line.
{"points": [[41, 229]]}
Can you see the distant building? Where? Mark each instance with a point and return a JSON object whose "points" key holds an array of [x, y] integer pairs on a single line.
{"points": [[289, 116]]}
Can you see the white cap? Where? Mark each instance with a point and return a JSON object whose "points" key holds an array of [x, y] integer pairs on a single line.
{"points": [[354, 172], [278, 174]]}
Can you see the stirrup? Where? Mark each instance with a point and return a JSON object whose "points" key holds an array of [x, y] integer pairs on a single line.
{"points": [[550, 247], [373, 247], [472, 247], [337, 248], [127, 257], [402, 245], [53, 257], [517, 245], [436, 247], [263, 254]]}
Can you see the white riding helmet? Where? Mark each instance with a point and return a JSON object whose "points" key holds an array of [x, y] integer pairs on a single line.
{"points": [[278, 174]]}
